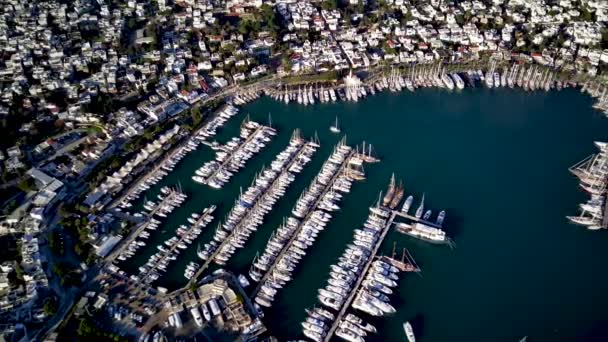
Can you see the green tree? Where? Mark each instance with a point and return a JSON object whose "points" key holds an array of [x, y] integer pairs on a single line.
{"points": [[27, 185], [50, 306]]}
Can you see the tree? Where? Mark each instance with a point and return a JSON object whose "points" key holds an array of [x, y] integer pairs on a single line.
{"points": [[27, 185], [268, 18], [329, 4], [50, 306]]}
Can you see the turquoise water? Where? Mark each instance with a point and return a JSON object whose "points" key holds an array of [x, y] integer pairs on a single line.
{"points": [[495, 160]]}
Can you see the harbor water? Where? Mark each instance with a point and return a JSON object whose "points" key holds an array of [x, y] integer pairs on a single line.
{"points": [[497, 162]]}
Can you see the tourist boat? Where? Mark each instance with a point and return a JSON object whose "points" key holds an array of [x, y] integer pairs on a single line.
{"points": [[409, 332], [335, 129], [390, 193], [423, 232]]}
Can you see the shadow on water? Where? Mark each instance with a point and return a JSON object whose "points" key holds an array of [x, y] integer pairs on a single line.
{"points": [[598, 332], [454, 224], [417, 323]]}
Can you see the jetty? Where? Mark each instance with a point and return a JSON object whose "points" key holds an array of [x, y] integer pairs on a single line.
{"points": [[360, 278], [145, 277], [245, 219], [169, 198], [231, 154], [302, 222]]}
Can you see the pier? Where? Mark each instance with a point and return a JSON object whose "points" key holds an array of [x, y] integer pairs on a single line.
{"points": [[303, 221], [401, 214], [362, 275], [229, 159], [145, 277], [244, 220], [134, 234]]}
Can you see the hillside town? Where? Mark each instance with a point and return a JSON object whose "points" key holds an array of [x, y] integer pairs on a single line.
{"points": [[101, 98]]}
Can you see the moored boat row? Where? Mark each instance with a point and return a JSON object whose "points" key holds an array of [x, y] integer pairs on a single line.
{"points": [[310, 215], [592, 173], [258, 200], [232, 156], [170, 249], [345, 279]]}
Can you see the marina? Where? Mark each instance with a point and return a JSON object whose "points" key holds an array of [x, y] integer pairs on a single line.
{"points": [[360, 279], [233, 156], [310, 215], [302, 291], [411, 78], [377, 226], [170, 249], [592, 173], [166, 204], [256, 202]]}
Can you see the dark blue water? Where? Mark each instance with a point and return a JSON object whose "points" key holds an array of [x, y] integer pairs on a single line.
{"points": [[496, 161]]}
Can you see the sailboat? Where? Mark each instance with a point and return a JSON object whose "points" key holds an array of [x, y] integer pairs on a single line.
{"points": [[335, 128], [409, 332], [420, 209]]}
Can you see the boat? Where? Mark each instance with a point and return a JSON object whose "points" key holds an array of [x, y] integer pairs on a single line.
{"points": [[407, 204], [397, 197], [440, 218], [409, 332], [420, 209], [423, 232], [390, 193], [335, 129], [427, 215]]}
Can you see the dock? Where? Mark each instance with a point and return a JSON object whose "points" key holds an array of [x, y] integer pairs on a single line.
{"points": [[144, 278], [134, 234], [415, 219], [244, 220], [302, 222], [362, 276], [229, 159]]}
